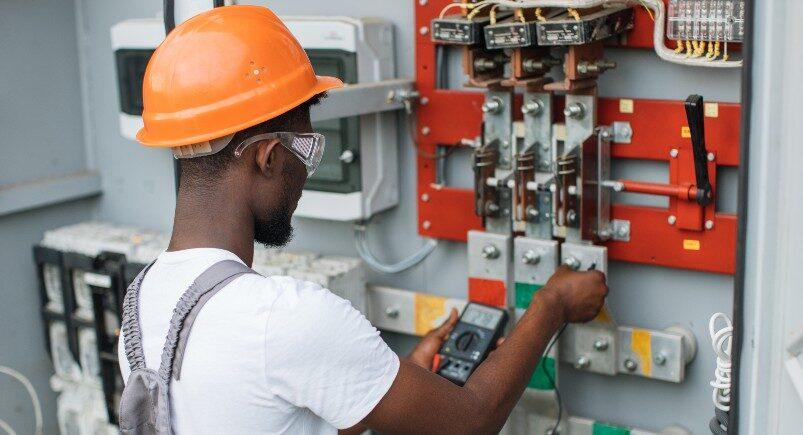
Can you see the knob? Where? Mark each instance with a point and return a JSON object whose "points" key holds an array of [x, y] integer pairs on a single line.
{"points": [[347, 156], [466, 341], [490, 252], [572, 262], [530, 257]]}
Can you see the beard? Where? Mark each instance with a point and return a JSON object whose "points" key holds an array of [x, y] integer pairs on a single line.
{"points": [[276, 229]]}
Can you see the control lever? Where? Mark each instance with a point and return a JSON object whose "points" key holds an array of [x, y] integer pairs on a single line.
{"points": [[696, 118]]}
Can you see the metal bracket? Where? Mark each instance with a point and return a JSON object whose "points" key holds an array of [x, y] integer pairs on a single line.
{"points": [[620, 230], [374, 97], [622, 132]]}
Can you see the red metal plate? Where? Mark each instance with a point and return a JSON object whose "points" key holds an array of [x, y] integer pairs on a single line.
{"points": [[450, 115], [487, 291]]}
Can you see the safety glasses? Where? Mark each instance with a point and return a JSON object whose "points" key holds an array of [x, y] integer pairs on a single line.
{"points": [[308, 147]]}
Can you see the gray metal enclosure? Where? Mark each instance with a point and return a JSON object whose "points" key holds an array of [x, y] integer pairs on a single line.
{"points": [[58, 124]]}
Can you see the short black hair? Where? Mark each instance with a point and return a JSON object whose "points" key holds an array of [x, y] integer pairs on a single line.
{"points": [[199, 169]]}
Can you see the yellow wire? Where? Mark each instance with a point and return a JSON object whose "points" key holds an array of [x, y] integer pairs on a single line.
{"points": [[520, 15], [649, 11], [493, 14], [538, 15], [573, 12], [680, 46]]}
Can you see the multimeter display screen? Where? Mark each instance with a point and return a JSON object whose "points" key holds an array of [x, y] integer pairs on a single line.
{"points": [[481, 316]]}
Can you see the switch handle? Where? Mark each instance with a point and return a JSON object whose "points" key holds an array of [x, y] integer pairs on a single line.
{"points": [[696, 118]]}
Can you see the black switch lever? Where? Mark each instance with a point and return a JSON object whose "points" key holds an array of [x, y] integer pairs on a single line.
{"points": [[696, 117]]}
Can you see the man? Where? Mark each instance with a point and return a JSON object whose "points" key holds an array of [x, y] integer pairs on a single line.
{"points": [[229, 91]]}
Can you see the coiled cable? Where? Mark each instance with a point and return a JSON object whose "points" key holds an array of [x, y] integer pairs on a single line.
{"points": [[720, 328]]}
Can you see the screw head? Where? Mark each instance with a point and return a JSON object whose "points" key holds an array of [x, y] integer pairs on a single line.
{"points": [[422, 2], [711, 157], [583, 362], [532, 107], [621, 231], [671, 219], [709, 224], [530, 257], [425, 130], [425, 197], [424, 101], [493, 105], [571, 216], [426, 224], [574, 111], [605, 133], [392, 312], [601, 345], [423, 30], [490, 252], [572, 262], [673, 153], [631, 365], [660, 359]]}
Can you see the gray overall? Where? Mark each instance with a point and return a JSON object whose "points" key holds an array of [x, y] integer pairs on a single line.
{"points": [[145, 404]]}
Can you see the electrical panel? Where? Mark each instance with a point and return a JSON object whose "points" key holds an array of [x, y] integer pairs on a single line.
{"points": [[358, 175]]}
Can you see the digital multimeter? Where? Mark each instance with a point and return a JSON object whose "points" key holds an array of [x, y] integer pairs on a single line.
{"points": [[473, 337]]}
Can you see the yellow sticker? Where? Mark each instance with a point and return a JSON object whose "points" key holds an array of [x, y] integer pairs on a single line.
{"points": [[711, 110], [640, 345], [691, 245], [428, 309], [625, 105], [685, 132]]}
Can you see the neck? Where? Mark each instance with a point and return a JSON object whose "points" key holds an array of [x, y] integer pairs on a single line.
{"points": [[213, 220]]}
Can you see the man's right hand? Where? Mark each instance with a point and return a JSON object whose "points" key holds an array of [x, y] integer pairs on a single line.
{"points": [[581, 294]]}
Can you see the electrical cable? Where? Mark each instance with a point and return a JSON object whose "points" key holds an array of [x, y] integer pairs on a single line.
{"points": [[558, 399], [721, 339], [361, 242], [37, 406]]}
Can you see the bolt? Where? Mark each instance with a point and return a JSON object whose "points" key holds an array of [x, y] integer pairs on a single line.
{"points": [[532, 213], [709, 224], [423, 30], [601, 345], [630, 365], [575, 111], [494, 105], [606, 133], [490, 252], [392, 312], [571, 216], [533, 107], [572, 262], [530, 257], [660, 359], [424, 101], [347, 156], [582, 363], [622, 231], [422, 2], [484, 64], [671, 219], [491, 208], [425, 130], [604, 234], [424, 197], [673, 153], [711, 157], [572, 190], [426, 224]]}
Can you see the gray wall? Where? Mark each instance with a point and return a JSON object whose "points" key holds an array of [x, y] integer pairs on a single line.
{"points": [[41, 138], [138, 189]]}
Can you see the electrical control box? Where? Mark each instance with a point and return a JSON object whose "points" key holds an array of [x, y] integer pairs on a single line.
{"points": [[706, 20], [566, 29], [358, 175], [510, 34], [459, 30]]}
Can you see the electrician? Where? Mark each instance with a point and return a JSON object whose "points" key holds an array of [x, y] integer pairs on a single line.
{"points": [[229, 91]]}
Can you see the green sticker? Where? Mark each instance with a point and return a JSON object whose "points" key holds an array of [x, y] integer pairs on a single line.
{"points": [[609, 429], [540, 380], [524, 293]]}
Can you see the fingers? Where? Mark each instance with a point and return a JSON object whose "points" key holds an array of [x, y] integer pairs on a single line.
{"points": [[443, 331]]}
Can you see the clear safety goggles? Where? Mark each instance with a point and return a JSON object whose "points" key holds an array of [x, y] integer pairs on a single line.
{"points": [[308, 147]]}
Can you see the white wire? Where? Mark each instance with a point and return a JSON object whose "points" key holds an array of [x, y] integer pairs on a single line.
{"points": [[37, 406], [721, 341], [361, 243]]}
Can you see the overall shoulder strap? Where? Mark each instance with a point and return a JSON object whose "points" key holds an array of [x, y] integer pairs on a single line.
{"points": [[132, 336], [207, 284]]}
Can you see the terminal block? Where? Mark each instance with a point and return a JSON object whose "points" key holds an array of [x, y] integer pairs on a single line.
{"points": [[510, 34], [567, 29], [706, 20]]}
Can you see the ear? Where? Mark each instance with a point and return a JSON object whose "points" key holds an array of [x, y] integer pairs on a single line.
{"points": [[265, 157]]}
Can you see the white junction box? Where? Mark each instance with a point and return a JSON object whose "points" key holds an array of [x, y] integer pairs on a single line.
{"points": [[358, 175]]}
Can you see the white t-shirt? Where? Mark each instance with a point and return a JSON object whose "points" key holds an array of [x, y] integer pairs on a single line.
{"points": [[265, 355]]}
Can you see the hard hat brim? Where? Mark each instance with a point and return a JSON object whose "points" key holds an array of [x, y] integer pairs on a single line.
{"points": [[324, 83]]}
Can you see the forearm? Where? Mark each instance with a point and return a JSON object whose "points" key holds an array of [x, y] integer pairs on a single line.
{"points": [[501, 379]]}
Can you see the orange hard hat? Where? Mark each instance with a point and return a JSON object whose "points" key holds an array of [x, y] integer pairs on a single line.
{"points": [[222, 71]]}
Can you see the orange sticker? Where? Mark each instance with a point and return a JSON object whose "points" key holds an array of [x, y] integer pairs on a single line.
{"points": [[428, 309], [640, 345], [685, 132], [626, 105], [691, 245]]}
